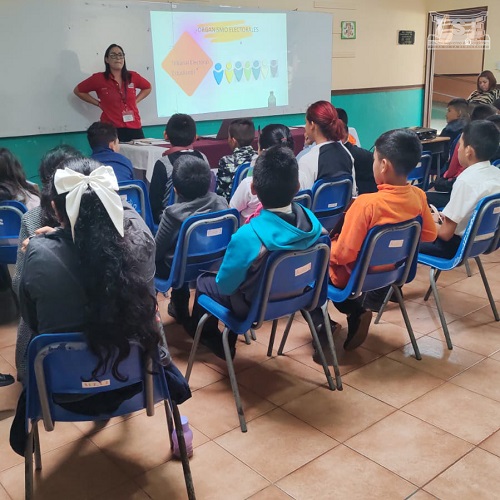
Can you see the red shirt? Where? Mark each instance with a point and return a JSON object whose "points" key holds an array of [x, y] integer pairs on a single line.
{"points": [[115, 100]]}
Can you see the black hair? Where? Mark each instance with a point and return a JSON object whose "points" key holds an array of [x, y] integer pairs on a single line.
{"points": [[181, 130], [401, 147], [495, 119], [51, 161], [275, 134], [343, 115], [483, 137], [100, 134], [120, 306], [496, 104], [191, 176], [126, 76], [242, 130], [12, 177], [276, 177], [482, 111], [461, 106]]}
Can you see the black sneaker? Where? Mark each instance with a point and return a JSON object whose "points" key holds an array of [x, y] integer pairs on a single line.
{"points": [[6, 379], [180, 317], [213, 341], [358, 325]]}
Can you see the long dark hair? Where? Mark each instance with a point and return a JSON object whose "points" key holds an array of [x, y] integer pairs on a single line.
{"points": [[126, 77], [12, 177], [120, 306], [275, 134], [49, 164]]}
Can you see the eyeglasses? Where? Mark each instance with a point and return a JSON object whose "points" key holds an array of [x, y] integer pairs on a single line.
{"points": [[117, 56]]}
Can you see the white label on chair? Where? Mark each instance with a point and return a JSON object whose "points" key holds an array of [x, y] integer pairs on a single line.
{"points": [[1, 222], [332, 205], [214, 232], [123, 197], [396, 243], [301, 270], [496, 210], [95, 384]]}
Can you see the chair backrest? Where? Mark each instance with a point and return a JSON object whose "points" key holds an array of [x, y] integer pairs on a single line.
{"points": [[496, 163], [482, 232], [304, 197], [290, 281], [135, 193], [388, 256], [239, 175], [201, 244], [11, 213], [330, 198], [62, 364], [419, 176]]}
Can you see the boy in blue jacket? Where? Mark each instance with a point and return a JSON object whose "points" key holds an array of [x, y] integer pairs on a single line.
{"points": [[281, 225]]}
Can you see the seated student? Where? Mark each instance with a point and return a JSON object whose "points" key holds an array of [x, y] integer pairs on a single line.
{"points": [[180, 131], [487, 91], [13, 182], [241, 135], [246, 202], [457, 116], [479, 179], [94, 274], [496, 105], [191, 180], [397, 152], [352, 135], [329, 157], [103, 139], [282, 225], [496, 120]]}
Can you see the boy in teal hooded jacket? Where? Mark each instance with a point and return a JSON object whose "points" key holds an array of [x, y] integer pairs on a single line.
{"points": [[281, 225]]}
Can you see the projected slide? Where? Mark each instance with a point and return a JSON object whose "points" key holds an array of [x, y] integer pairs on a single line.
{"points": [[212, 62]]}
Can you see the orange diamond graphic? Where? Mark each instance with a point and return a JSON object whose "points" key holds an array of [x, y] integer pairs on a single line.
{"points": [[187, 63]]}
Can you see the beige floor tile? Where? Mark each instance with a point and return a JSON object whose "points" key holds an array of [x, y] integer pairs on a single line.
{"points": [[8, 334], [63, 433], [474, 285], [492, 444], [447, 277], [281, 379], [216, 475], [475, 337], [476, 476], [90, 428], [343, 473], [421, 495], [450, 299], [140, 443], [280, 444], [481, 378], [413, 449], [460, 412], [340, 415], [485, 316], [3, 494], [269, 493], [437, 359], [77, 470], [127, 491], [8, 457], [496, 356], [213, 412], [9, 354], [392, 382]]}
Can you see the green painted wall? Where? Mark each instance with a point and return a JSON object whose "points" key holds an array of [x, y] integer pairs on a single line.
{"points": [[370, 113]]}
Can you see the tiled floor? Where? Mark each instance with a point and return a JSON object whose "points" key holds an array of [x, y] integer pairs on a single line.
{"points": [[400, 428]]}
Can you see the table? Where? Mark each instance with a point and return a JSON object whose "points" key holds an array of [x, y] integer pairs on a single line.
{"points": [[436, 146], [143, 158]]}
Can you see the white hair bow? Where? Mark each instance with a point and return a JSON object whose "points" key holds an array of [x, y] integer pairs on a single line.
{"points": [[103, 181]]}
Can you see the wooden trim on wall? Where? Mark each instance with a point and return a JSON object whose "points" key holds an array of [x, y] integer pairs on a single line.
{"points": [[372, 90]]}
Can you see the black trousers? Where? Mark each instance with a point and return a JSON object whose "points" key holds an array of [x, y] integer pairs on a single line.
{"points": [[129, 134], [441, 248]]}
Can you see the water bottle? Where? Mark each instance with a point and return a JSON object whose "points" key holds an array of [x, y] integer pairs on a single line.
{"points": [[188, 438], [271, 101]]}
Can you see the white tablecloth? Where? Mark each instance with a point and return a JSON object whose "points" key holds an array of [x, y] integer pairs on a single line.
{"points": [[142, 157]]}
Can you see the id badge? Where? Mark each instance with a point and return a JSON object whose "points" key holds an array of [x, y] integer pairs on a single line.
{"points": [[128, 116]]}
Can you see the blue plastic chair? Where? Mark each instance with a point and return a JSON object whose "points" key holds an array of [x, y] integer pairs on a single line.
{"points": [[419, 176], [11, 213], [239, 175], [330, 197], [496, 163], [63, 364], [136, 194], [481, 236], [304, 198], [393, 245], [290, 281], [201, 244]]}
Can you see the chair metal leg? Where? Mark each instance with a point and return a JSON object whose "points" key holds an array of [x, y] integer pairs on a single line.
{"points": [[467, 268], [36, 445], [232, 378], [436, 273], [248, 341], [194, 347], [314, 334], [188, 478], [168, 414], [433, 277], [409, 328], [384, 304], [28, 465], [272, 337], [252, 334], [331, 345], [487, 288], [285, 334]]}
